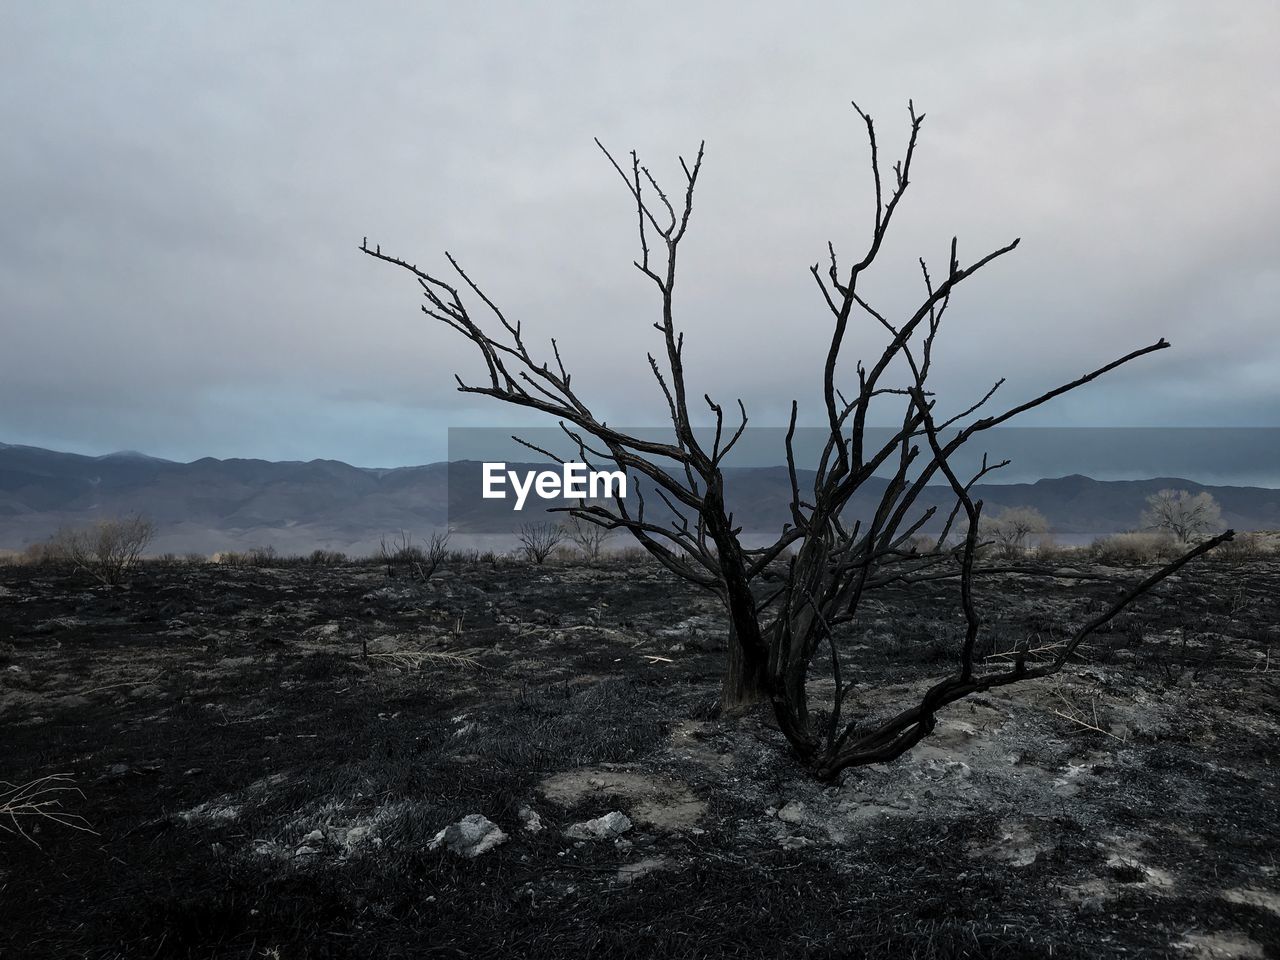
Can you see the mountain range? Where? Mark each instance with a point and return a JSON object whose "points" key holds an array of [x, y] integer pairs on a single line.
{"points": [[209, 505]]}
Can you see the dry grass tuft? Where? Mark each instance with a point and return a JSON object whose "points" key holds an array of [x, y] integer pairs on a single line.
{"points": [[410, 662]]}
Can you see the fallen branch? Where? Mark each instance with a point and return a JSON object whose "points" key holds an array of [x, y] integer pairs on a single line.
{"points": [[39, 799]]}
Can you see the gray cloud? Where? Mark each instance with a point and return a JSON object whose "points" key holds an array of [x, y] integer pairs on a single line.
{"points": [[185, 185]]}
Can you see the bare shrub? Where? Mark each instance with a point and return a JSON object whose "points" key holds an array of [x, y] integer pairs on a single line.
{"points": [[404, 557], [1134, 547], [45, 553], [436, 553], [1049, 550], [1010, 528], [1189, 517], [108, 549], [587, 536], [1245, 548], [327, 558], [261, 557], [537, 540], [779, 634]]}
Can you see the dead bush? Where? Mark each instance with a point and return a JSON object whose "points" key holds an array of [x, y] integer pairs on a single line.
{"points": [[537, 540], [1134, 547], [1245, 548], [403, 557], [327, 558], [108, 549], [588, 537]]}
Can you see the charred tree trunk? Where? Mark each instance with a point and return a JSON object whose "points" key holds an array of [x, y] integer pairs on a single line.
{"points": [[746, 676]]}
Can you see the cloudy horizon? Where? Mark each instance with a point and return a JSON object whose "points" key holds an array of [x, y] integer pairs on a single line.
{"points": [[187, 187]]}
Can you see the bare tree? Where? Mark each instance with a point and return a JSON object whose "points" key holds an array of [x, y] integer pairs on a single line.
{"points": [[1186, 515], [1011, 528], [537, 540], [108, 549], [830, 564], [588, 536]]}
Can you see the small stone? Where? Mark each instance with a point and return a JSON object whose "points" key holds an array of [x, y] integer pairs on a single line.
{"points": [[471, 836], [609, 826], [792, 812], [315, 836], [529, 820]]}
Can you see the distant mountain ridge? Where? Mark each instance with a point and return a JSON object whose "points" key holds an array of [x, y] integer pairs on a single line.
{"points": [[209, 504]]}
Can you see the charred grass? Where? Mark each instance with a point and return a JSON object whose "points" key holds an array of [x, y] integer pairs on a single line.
{"points": [[215, 718]]}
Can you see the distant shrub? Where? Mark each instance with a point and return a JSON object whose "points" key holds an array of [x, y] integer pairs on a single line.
{"points": [[631, 557], [587, 536], [327, 558], [46, 553], [402, 555], [261, 557], [1246, 547], [921, 544], [1135, 547], [538, 540], [1010, 529], [194, 557], [1049, 551], [107, 550]]}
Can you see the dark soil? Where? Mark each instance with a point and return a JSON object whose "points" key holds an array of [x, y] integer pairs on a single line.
{"points": [[216, 718]]}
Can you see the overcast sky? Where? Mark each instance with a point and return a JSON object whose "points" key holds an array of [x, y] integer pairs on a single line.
{"points": [[184, 186]]}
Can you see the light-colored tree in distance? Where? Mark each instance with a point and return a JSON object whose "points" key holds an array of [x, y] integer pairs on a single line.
{"points": [[1012, 526], [1186, 515], [587, 536]]}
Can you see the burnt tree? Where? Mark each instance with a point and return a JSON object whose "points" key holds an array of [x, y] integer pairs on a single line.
{"points": [[828, 565]]}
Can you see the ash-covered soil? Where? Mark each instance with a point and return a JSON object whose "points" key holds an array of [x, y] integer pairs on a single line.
{"points": [[266, 754]]}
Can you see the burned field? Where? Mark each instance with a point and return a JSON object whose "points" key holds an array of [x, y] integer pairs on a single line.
{"points": [[266, 754]]}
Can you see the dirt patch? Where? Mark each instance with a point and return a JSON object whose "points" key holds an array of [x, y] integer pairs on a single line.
{"points": [[1220, 946], [654, 801]]}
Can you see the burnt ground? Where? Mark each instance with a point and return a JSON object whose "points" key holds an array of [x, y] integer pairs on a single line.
{"points": [[265, 754]]}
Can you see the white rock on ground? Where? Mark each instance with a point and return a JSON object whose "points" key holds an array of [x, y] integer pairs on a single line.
{"points": [[471, 836], [529, 819], [611, 825], [792, 812]]}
